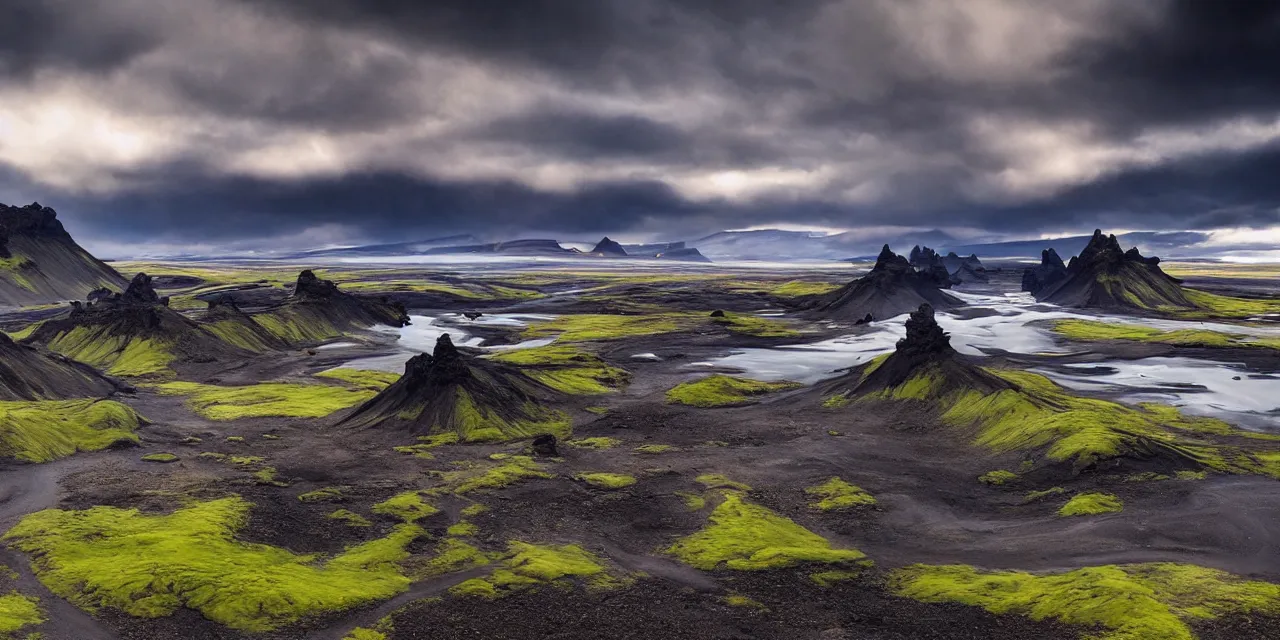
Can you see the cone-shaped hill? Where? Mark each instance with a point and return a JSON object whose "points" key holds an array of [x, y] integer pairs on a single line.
{"points": [[224, 319], [450, 392], [892, 288], [1013, 411], [40, 263], [1104, 276], [319, 311], [134, 333], [607, 247], [27, 373]]}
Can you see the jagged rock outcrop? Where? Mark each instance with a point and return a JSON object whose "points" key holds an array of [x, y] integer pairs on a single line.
{"points": [[27, 373], [928, 261], [893, 287], [1104, 276], [965, 269], [607, 247], [41, 263], [1051, 271], [448, 391]]}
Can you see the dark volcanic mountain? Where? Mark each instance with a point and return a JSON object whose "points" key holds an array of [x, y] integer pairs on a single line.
{"points": [[448, 391], [40, 263], [27, 373], [893, 287], [928, 260], [1051, 271], [321, 299], [607, 247], [1104, 276], [969, 269]]}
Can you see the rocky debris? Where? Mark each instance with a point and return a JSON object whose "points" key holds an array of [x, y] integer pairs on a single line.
{"points": [[1105, 276], [607, 247], [928, 261], [31, 220], [140, 291], [472, 315], [892, 287], [1050, 272], [545, 446], [138, 296], [867, 319], [718, 313], [921, 257]]}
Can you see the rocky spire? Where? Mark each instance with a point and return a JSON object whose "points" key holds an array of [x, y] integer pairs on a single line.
{"points": [[140, 292], [444, 365], [309, 286], [609, 247], [890, 261], [924, 336]]}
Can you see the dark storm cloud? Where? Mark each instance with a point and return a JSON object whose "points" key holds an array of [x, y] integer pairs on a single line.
{"points": [[570, 117], [38, 34]]}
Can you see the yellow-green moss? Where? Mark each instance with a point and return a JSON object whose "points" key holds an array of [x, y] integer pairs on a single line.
{"points": [[692, 501], [837, 494], [598, 442], [1033, 496], [160, 457], [591, 326], [720, 481], [798, 288], [462, 529], [480, 424], [268, 399], [607, 480], [997, 477], [1229, 307], [566, 368], [45, 430], [723, 391], [235, 438], [362, 378], [527, 565], [349, 518], [360, 633], [484, 477], [836, 401], [1128, 602], [1093, 330], [297, 325], [1191, 475], [408, 506], [451, 555], [744, 536], [117, 355], [1089, 504], [755, 326], [18, 611], [653, 449], [150, 565], [830, 578], [237, 333], [738, 600]]}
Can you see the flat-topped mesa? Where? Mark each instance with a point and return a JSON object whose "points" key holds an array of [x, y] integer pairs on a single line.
{"points": [[1104, 276], [1051, 271], [309, 286], [607, 247], [892, 287], [478, 399]]}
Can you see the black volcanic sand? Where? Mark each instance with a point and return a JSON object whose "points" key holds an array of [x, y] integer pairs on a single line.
{"points": [[931, 509]]}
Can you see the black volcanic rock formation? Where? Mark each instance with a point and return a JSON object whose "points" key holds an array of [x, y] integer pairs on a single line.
{"points": [[1104, 276], [966, 269], [41, 263], [224, 319], [607, 247], [448, 391], [1051, 271], [322, 301], [27, 373], [893, 287]]}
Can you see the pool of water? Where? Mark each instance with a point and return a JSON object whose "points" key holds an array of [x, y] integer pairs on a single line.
{"points": [[421, 335]]}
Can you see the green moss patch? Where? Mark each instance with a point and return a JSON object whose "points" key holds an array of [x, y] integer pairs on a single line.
{"points": [[1034, 496], [1090, 504], [326, 494], [45, 430], [361, 378], [744, 536], [160, 457], [1128, 602], [488, 477], [527, 565], [151, 565], [610, 481], [720, 481], [593, 326], [836, 494], [654, 449], [268, 399], [566, 368], [594, 443], [755, 326], [408, 506], [723, 391], [349, 518], [18, 611], [1228, 307], [1093, 330], [118, 355], [997, 477]]}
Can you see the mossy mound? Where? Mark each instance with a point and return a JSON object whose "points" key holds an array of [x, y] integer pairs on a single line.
{"points": [[27, 373], [18, 611], [477, 399], [151, 565], [225, 320], [836, 494], [1127, 602], [747, 537], [609, 481], [892, 288], [1095, 330], [1091, 504], [566, 368], [528, 565], [724, 391], [267, 399], [1104, 276], [318, 311], [46, 430], [1017, 411]]}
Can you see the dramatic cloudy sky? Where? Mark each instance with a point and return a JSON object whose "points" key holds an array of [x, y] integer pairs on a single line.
{"points": [[289, 122]]}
